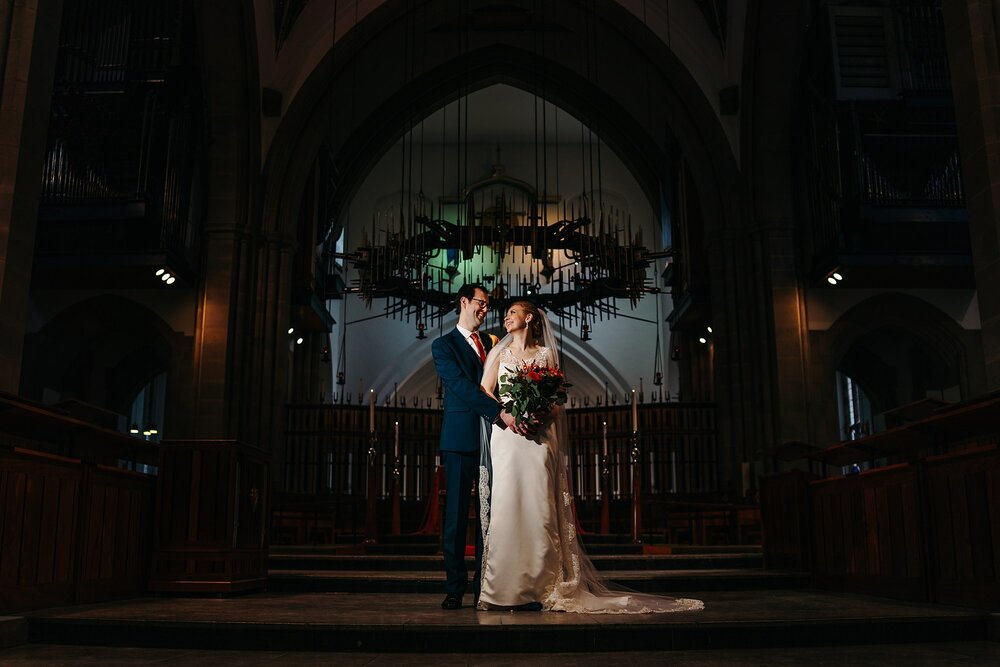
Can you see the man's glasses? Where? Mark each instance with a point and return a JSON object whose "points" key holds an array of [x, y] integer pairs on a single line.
{"points": [[483, 304]]}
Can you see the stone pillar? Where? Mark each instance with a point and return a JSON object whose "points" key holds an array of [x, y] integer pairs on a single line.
{"points": [[29, 42], [217, 353], [790, 335], [264, 408], [759, 346], [743, 346], [971, 30]]}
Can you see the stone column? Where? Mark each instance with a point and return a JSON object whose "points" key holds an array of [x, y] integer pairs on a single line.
{"points": [[971, 30], [222, 313], [759, 346], [29, 43], [744, 383]]}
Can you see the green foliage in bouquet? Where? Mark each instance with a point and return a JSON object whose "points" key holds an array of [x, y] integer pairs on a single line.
{"points": [[532, 391]]}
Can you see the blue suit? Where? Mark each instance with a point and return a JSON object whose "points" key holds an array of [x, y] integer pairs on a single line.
{"points": [[465, 405]]}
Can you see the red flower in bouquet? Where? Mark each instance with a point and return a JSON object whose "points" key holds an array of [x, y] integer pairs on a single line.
{"points": [[532, 391]]}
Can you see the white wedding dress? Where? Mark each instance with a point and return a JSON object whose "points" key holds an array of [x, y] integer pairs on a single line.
{"points": [[530, 549]]}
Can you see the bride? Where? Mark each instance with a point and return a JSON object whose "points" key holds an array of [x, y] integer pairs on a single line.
{"points": [[531, 556]]}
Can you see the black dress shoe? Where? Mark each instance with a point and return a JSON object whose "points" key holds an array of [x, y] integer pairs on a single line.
{"points": [[452, 601]]}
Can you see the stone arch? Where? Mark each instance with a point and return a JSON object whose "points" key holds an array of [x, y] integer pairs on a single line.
{"points": [[852, 342], [611, 101], [901, 312], [102, 351]]}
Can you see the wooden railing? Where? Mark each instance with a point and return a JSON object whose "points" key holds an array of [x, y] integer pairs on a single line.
{"points": [[323, 478], [74, 526], [922, 524]]}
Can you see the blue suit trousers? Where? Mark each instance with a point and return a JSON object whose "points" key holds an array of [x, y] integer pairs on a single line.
{"points": [[460, 471]]}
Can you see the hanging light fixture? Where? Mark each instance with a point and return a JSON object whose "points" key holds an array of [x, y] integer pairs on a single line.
{"points": [[584, 249]]}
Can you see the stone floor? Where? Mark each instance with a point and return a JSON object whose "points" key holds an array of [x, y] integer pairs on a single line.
{"points": [[776, 628], [950, 654], [339, 609]]}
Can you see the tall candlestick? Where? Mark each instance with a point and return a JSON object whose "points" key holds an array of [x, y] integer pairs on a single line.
{"points": [[396, 448], [605, 438], [371, 410], [635, 413]]}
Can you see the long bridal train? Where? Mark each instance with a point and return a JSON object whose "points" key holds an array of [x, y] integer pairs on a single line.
{"points": [[531, 553]]}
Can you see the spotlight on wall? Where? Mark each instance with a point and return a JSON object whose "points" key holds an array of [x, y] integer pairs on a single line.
{"points": [[702, 340], [708, 329], [166, 275], [299, 340], [291, 330], [834, 277]]}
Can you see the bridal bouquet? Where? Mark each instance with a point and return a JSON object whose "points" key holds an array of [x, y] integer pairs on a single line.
{"points": [[532, 391]]}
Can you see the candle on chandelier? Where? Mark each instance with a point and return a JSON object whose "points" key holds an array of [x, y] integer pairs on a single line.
{"points": [[396, 448], [635, 413], [371, 410], [605, 439]]}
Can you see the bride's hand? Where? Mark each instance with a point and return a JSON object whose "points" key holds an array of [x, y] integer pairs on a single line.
{"points": [[511, 422]]}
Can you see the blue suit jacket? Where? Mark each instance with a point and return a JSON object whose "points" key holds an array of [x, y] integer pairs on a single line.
{"points": [[460, 371]]}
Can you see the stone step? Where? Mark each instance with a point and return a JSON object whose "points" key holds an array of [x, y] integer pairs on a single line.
{"points": [[418, 562], [416, 549], [423, 544], [432, 581], [13, 631], [414, 623]]}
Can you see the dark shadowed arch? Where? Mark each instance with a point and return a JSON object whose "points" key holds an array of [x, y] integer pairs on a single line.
{"points": [[639, 98], [912, 318], [102, 351]]}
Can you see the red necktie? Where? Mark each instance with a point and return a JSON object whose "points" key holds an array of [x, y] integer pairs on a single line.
{"points": [[479, 347]]}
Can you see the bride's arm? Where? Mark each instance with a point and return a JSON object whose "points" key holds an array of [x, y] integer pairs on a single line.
{"points": [[490, 373], [489, 383]]}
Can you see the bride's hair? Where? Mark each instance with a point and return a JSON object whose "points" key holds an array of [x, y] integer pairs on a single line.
{"points": [[535, 325]]}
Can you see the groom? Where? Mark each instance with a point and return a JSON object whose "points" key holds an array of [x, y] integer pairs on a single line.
{"points": [[458, 359]]}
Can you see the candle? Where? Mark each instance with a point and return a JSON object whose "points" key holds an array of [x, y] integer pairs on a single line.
{"points": [[605, 438], [371, 410], [635, 413], [396, 448]]}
